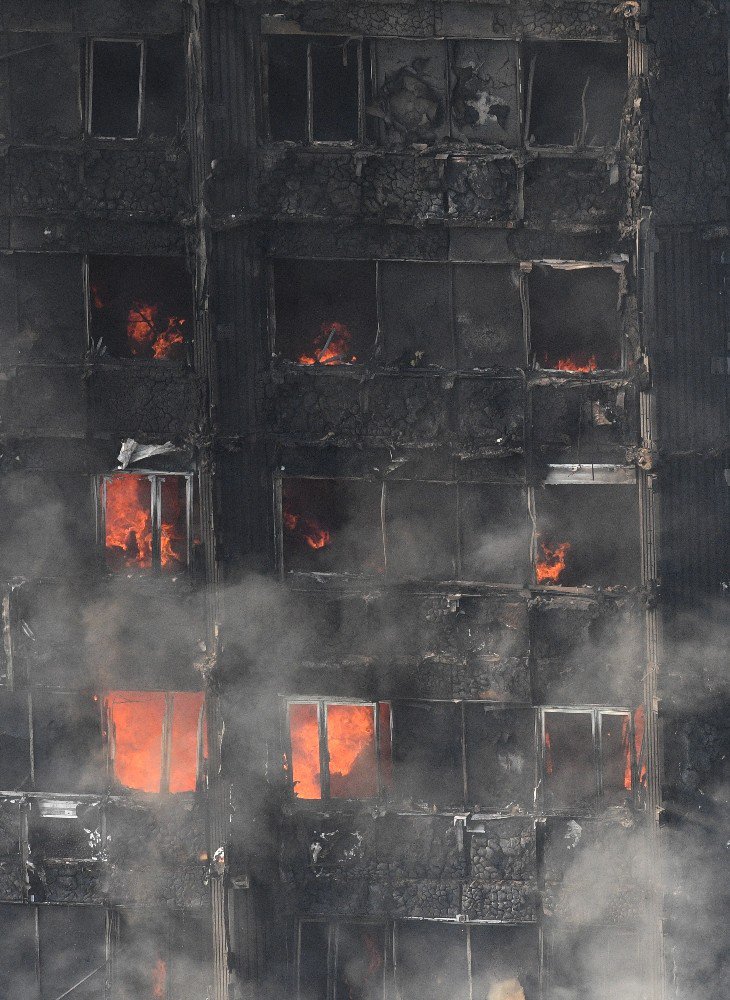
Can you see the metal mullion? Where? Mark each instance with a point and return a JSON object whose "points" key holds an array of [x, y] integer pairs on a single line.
{"points": [[464, 790], [324, 762], [88, 110], [468, 963], [333, 944], [447, 97], [86, 290], [378, 346], [310, 95], [141, 91], [166, 737], [459, 569], [299, 958], [360, 93], [597, 750], [189, 488], [376, 730]]}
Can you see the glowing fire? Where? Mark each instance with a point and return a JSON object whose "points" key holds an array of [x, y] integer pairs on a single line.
{"points": [[549, 765], [351, 749], [147, 332], [550, 568], [307, 528], [129, 520], [576, 363], [374, 953], [626, 750], [507, 989], [331, 346], [172, 527], [304, 735], [159, 980], [639, 728]]}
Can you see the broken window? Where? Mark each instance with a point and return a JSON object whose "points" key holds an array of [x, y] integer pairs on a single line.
{"points": [[504, 963], [427, 753], [345, 961], [488, 316], [587, 536], [431, 961], [575, 322], [115, 91], [421, 530], [157, 739], [587, 754], [140, 307], [72, 951], [494, 528], [146, 521], [64, 829], [575, 93], [325, 311], [416, 313], [315, 88], [339, 750], [67, 742], [331, 525], [500, 758]]}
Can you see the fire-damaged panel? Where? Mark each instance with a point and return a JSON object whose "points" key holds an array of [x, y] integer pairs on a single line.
{"points": [[410, 104], [484, 97]]}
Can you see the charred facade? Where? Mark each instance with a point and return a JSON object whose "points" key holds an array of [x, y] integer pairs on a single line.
{"points": [[365, 487]]}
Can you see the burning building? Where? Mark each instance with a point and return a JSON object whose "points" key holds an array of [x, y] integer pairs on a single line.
{"points": [[364, 480]]}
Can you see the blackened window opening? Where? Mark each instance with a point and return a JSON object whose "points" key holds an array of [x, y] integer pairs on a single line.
{"points": [[116, 82], [577, 90], [140, 307], [427, 758], [326, 311], [345, 961], [575, 323]]}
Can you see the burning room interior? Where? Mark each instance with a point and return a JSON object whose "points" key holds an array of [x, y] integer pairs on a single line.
{"points": [[365, 492]]}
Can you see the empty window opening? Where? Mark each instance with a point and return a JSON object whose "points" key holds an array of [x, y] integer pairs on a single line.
{"points": [[116, 69], [339, 750], [575, 93], [146, 521], [587, 536], [488, 316], [421, 530], [500, 756], [495, 530], [575, 322], [72, 952], [588, 758], [18, 978], [140, 307], [157, 739], [67, 742], [61, 830], [345, 961], [504, 963], [315, 88], [600, 962], [326, 311], [15, 772], [427, 753], [141, 953], [331, 525], [416, 314], [432, 961]]}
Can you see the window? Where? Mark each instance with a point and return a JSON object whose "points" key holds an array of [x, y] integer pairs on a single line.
{"points": [[316, 88], [427, 753], [135, 85], [574, 318], [500, 756], [344, 961], [157, 739], [575, 93], [67, 742], [139, 308], [588, 758], [146, 521], [65, 967], [596, 962], [339, 750], [587, 535], [441, 961], [326, 311], [15, 772]]}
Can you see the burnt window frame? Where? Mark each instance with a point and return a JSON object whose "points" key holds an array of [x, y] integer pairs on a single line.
{"points": [[526, 88], [309, 40], [322, 703], [333, 928], [156, 478], [88, 109], [201, 770], [621, 271], [596, 713]]}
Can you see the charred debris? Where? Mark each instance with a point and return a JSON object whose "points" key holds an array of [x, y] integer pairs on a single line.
{"points": [[364, 479]]}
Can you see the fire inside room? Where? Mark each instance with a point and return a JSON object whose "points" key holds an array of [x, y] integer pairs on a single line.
{"points": [[365, 493]]}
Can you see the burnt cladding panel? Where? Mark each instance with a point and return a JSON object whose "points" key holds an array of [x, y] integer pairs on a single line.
{"points": [[14, 741]]}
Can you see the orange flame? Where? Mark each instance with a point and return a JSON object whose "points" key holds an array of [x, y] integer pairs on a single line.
{"points": [[304, 736], [639, 729], [626, 750], [97, 298], [146, 333], [306, 527], [550, 568], [575, 363], [331, 346], [351, 749], [129, 519], [159, 980], [549, 765], [136, 718]]}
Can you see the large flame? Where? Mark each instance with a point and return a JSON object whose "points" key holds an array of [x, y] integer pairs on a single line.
{"points": [[159, 980], [187, 706], [331, 346], [147, 332], [128, 519], [575, 363], [136, 719], [172, 528], [639, 729], [550, 567], [304, 737], [626, 751], [351, 748], [307, 528]]}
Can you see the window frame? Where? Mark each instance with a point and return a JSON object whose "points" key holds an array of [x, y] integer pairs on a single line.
{"points": [[596, 713], [309, 40], [91, 42], [322, 704], [156, 478]]}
